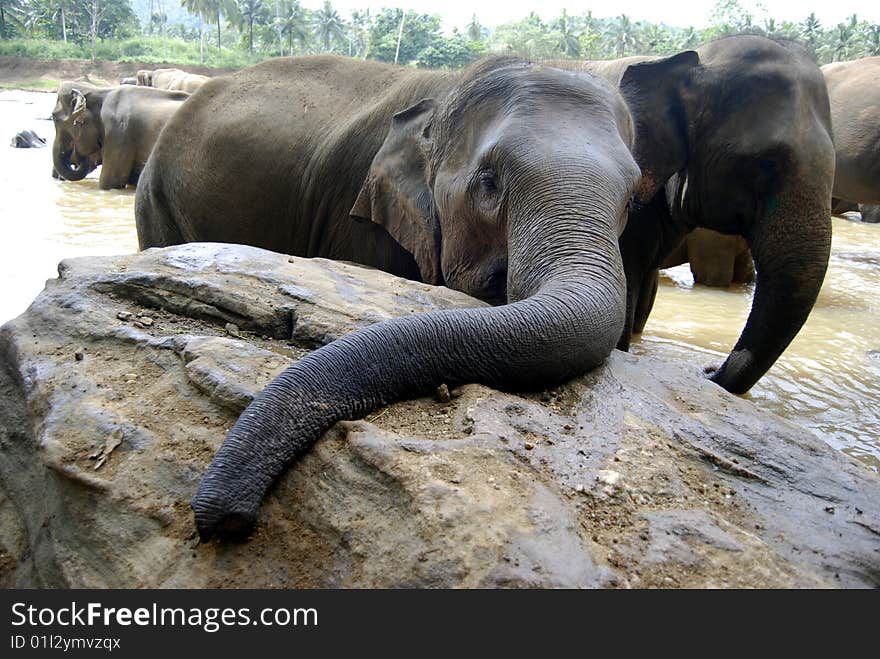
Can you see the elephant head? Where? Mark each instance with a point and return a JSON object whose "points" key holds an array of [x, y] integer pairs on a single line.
{"points": [[745, 128], [144, 78], [79, 132], [486, 188]]}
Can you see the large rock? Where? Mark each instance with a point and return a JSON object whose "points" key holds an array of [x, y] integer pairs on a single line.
{"points": [[121, 380]]}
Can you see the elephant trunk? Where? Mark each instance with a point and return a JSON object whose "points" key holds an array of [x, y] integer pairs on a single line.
{"points": [[790, 248], [568, 274], [62, 150]]}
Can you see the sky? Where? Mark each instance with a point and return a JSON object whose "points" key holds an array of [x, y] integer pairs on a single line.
{"points": [[456, 13]]}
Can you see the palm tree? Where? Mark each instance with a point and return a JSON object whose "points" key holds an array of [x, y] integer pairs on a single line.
{"points": [[624, 36], [328, 25], [9, 9], [475, 31], [654, 38], [208, 9], [811, 30], [293, 21], [359, 33], [842, 43], [569, 37], [872, 41], [687, 39], [250, 10]]}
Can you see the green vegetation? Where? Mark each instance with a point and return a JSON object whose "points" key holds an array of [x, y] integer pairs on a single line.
{"points": [[234, 33], [48, 85]]}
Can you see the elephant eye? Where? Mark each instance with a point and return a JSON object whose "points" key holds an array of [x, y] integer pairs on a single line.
{"points": [[488, 182], [767, 166]]}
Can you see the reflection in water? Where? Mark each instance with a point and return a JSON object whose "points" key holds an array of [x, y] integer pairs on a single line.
{"points": [[827, 380]]}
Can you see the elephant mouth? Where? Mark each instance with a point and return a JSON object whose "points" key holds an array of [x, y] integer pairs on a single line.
{"points": [[494, 287]]}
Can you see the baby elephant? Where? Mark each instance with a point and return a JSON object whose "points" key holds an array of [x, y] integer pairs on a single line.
{"points": [[116, 126], [27, 139]]}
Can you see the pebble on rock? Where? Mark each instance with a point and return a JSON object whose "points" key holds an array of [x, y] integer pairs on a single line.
{"points": [[442, 393]]}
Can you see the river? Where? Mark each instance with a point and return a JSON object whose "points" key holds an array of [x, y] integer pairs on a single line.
{"points": [[828, 380]]}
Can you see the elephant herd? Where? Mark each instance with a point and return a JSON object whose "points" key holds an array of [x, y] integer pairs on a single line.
{"points": [[115, 127], [553, 191]]}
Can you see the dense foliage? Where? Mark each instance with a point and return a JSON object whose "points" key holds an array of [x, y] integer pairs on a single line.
{"points": [[237, 32]]}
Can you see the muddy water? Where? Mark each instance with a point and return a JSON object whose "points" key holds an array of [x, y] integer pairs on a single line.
{"points": [[44, 220], [828, 379]]}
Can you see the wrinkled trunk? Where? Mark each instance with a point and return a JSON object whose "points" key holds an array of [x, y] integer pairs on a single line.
{"points": [[567, 275], [790, 249], [62, 150]]}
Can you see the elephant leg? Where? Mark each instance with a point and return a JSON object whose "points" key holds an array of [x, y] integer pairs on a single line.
{"points": [[632, 297], [718, 273], [650, 237], [744, 268], [116, 170], [870, 212], [155, 227], [645, 301]]}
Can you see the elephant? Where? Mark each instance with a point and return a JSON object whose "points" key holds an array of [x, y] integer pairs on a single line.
{"points": [[715, 259], [509, 181], [112, 126], [27, 139], [171, 79], [734, 136], [128, 81], [870, 213], [188, 82], [854, 93]]}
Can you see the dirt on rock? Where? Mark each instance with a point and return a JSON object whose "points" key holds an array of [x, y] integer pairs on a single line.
{"points": [[121, 380]]}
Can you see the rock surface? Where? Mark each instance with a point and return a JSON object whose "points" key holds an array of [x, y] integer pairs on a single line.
{"points": [[640, 474]]}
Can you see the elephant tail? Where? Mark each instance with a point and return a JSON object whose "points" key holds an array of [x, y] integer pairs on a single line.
{"points": [[156, 227]]}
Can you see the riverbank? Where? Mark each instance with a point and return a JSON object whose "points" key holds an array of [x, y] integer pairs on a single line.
{"points": [[45, 74]]}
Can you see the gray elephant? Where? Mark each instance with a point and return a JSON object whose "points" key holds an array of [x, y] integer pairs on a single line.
{"points": [[112, 126], [870, 213], [474, 179], [27, 139], [854, 93], [715, 259], [734, 137]]}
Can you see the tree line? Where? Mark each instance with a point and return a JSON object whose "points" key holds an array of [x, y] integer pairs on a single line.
{"points": [[269, 28]]}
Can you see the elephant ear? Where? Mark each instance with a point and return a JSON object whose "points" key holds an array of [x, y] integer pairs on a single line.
{"points": [[657, 93], [396, 194], [78, 101]]}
